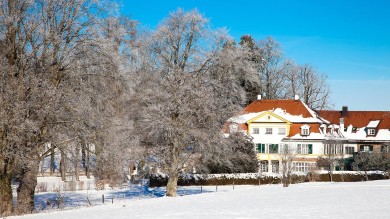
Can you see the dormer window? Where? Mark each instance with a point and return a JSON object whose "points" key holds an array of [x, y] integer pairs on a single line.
{"points": [[305, 130], [233, 128], [371, 131]]}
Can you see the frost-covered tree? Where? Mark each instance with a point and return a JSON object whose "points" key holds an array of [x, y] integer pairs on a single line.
{"points": [[184, 93], [250, 81], [56, 79], [238, 156]]}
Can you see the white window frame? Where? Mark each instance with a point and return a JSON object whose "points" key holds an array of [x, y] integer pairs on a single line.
{"points": [[275, 166], [303, 166], [263, 165], [366, 148], [281, 131], [268, 131], [303, 149], [233, 128], [256, 131], [333, 149], [305, 130], [371, 131]]}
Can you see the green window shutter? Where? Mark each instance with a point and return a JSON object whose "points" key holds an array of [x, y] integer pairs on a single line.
{"points": [[262, 148], [310, 149], [276, 148], [371, 148], [361, 148], [259, 148]]}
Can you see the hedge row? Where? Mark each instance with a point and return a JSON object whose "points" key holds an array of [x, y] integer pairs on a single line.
{"points": [[256, 179]]}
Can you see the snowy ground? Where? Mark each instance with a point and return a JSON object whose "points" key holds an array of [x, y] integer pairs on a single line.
{"points": [[306, 200]]}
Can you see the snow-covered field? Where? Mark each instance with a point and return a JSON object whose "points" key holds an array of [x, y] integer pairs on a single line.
{"points": [[306, 200]]}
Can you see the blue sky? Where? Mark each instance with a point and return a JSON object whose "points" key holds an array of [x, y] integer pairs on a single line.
{"points": [[347, 40]]}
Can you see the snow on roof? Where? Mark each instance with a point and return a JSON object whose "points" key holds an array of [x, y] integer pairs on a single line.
{"points": [[312, 136], [373, 124], [314, 114], [382, 135], [280, 112], [241, 119]]}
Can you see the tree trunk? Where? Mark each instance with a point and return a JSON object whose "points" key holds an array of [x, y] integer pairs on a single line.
{"points": [[172, 184], [52, 160], [366, 175], [26, 189], [330, 175], [76, 163], [5, 195], [63, 166], [87, 169], [173, 173]]}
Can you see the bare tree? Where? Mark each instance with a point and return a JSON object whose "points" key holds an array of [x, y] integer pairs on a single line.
{"points": [[333, 152], [272, 67], [315, 91], [366, 161], [287, 155], [279, 77]]}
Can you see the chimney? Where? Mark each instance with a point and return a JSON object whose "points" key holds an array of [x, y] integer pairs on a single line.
{"points": [[344, 112], [258, 97], [341, 125], [296, 97]]}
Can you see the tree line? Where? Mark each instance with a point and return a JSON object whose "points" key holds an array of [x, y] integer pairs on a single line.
{"points": [[80, 78]]}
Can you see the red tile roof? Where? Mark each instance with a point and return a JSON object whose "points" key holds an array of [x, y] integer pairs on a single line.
{"points": [[296, 129], [357, 118], [293, 107]]}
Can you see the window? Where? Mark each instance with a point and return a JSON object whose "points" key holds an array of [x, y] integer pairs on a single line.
{"points": [[268, 131], [256, 131], [261, 148], [305, 130], [366, 148], [264, 166], [275, 166], [282, 131], [333, 149], [303, 166], [385, 148], [305, 149], [349, 150], [268, 148], [273, 148], [371, 131], [233, 128]]}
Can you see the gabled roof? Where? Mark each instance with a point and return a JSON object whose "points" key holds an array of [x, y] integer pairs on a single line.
{"points": [[293, 107], [358, 119]]}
